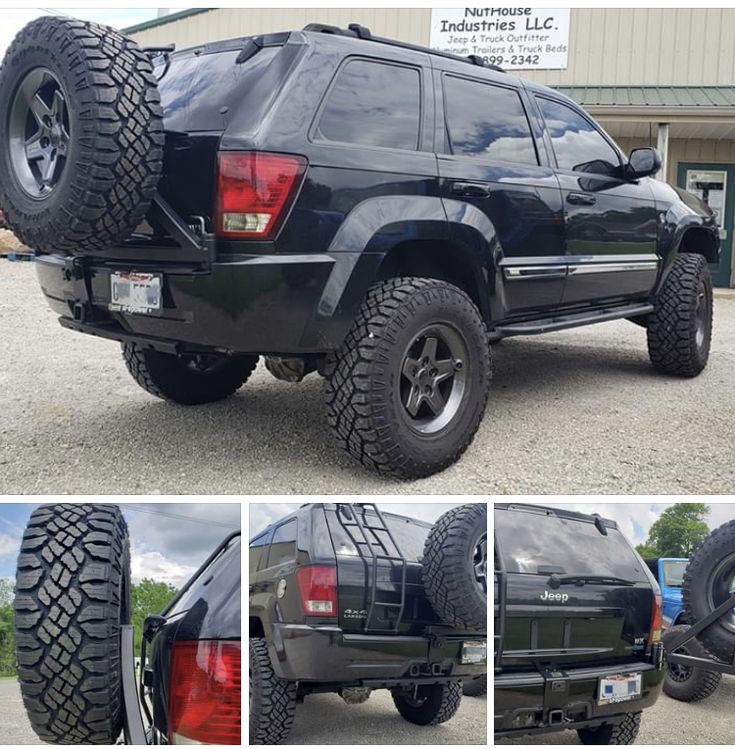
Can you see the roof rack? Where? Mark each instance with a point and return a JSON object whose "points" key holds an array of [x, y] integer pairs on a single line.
{"points": [[356, 31]]}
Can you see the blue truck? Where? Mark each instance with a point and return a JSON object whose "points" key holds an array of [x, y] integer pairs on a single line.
{"points": [[669, 573]]}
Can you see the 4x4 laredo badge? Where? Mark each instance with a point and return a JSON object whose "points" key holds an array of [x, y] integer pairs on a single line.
{"points": [[547, 596], [355, 614]]}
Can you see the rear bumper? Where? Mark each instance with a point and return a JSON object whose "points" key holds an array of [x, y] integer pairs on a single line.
{"points": [[281, 304], [301, 652], [534, 702]]}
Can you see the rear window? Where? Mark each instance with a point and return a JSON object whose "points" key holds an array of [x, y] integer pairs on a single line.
{"points": [[373, 104], [196, 89], [674, 573], [408, 535], [530, 540]]}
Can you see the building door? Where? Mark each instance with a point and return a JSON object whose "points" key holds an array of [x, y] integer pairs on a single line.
{"points": [[715, 185]]}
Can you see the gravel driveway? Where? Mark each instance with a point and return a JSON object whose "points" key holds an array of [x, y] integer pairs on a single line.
{"points": [[574, 412], [326, 719], [670, 722], [14, 725]]}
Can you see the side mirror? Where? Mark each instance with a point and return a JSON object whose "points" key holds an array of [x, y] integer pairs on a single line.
{"points": [[643, 162]]}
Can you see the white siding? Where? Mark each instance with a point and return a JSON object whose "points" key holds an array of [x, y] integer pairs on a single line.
{"points": [[607, 46]]}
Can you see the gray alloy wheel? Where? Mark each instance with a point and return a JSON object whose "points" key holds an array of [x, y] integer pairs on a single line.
{"points": [[433, 377], [39, 132], [479, 564]]}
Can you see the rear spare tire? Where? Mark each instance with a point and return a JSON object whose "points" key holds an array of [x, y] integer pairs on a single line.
{"points": [[72, 596], [688, 683], [455, 567], [475, 688], [709, 581], [81, 135], [429, 704]]}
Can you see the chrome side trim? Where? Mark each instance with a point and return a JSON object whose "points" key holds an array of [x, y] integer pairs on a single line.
{"points": [[529, 272], [576, 270]]}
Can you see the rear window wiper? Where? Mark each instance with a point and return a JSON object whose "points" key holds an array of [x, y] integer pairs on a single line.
{"points": [[556, 580]]}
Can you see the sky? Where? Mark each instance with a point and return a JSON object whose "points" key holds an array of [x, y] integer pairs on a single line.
{"points": [[168, 547], [13, 20]]}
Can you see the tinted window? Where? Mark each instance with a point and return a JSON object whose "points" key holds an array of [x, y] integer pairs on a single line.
{"points": [[487, 121], [577, 144], [283, 545], [374, 105], [530, 540], [257, 547]]}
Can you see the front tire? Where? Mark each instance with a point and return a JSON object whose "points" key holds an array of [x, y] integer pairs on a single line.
{"points": [[272, 700], [408, 387], [680, 327], [688, 683], [624, 732], [428, 705], [187, 380]]}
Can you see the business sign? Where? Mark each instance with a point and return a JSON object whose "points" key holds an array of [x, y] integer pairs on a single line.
{"points": [[513, 38]]}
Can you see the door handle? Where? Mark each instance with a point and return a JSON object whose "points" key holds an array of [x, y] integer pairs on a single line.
{"points": [[581, 198], [470, 189]]}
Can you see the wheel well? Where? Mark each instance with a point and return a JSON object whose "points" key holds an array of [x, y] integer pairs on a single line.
{"points": [[255, 627], [700, 242], [436, 259]]}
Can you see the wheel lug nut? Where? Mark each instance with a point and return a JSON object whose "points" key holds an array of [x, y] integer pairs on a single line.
{"points": [[427, 390], [433, 372], [458, 364]]}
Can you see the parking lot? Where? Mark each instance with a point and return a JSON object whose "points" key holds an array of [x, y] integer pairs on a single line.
{"points": [[671, 722], [574, 412], [14, 725]]}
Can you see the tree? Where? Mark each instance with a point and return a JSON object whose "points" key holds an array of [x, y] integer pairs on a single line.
{"points": [[6, 590], [679, 530], [647, 551], [147, 597]]}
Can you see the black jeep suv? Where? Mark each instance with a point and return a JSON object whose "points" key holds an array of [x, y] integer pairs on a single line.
{"points": [[577, 626], [347, 599], [374, 211]]}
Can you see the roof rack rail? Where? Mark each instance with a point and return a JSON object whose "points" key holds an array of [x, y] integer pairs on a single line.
{"points": [[356, 31]]}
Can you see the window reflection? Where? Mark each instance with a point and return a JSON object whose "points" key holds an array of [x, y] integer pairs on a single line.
{"points": [[489, 121]]}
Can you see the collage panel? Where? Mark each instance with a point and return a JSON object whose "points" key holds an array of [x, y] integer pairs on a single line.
{"points": [[120, 623], [368, 623], [614, 622]]}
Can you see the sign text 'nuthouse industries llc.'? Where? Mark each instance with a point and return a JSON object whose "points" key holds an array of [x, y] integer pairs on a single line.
{"points": [[513, 38]]}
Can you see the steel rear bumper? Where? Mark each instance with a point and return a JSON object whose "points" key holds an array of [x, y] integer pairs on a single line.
{"points": [[251, 304], [301, 652], [534, 702]]}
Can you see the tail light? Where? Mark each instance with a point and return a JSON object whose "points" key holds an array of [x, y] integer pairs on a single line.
{"points": [[254, 192], [318, 589], [654, 635], [204, 693]]}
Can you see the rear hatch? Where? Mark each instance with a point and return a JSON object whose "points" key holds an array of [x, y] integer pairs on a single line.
{"points": [[576, 591], [204, 91], [402, 540]]}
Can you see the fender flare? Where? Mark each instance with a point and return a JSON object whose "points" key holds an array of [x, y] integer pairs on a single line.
{"points": [[368, 234]]}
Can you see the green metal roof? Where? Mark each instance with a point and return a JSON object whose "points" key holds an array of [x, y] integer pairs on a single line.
{"points": [[164, 19], [651, 96]]}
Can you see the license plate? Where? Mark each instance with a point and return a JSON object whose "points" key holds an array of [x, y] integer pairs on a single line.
{"points": [[135, 292], [474, 651], [619, 688]]}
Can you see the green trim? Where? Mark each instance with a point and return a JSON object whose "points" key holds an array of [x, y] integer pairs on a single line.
{"points": [[165, 19], [651, 96]]}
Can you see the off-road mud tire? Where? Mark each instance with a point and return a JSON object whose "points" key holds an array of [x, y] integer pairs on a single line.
{"points": [[363, 377], [475, 688], [699, 682], [718, 638], [72, 596], [673, 344], [272, 700], [115, 154], [624, 732], [447, 572], [166, 376], [440, 703]]}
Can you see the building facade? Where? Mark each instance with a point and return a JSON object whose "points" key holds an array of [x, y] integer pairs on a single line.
{"points": [[650, 76]]}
